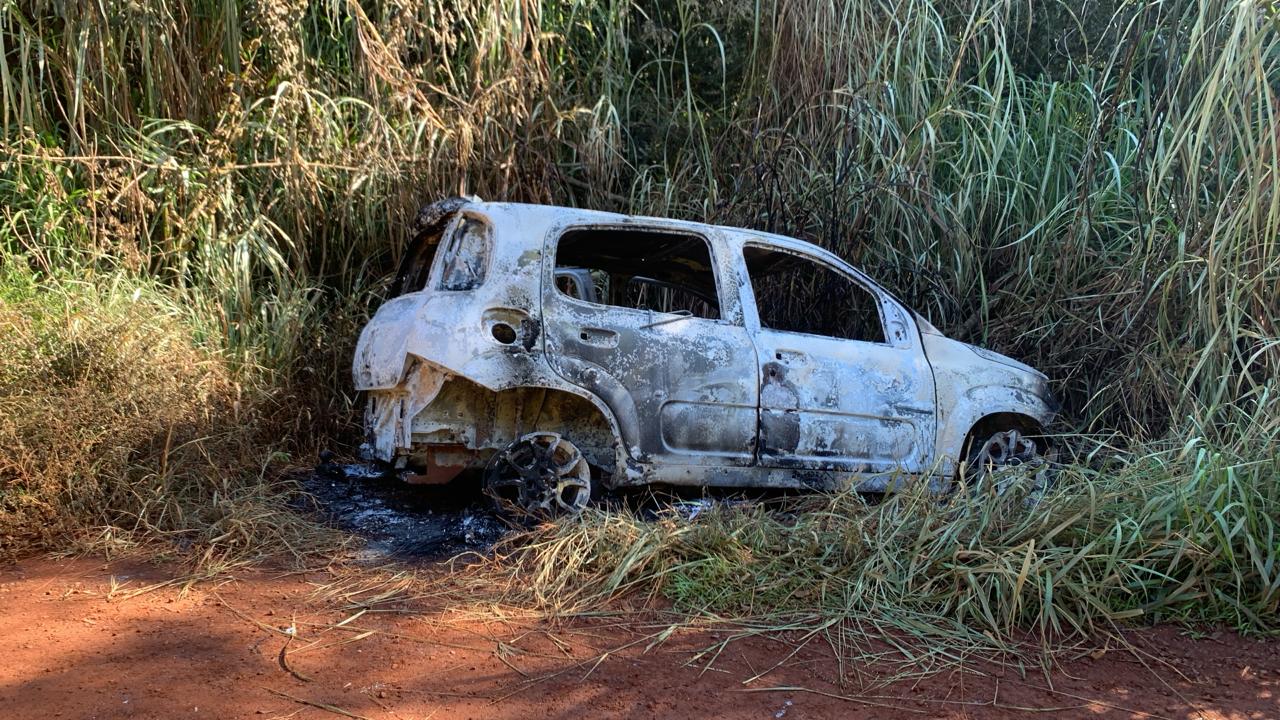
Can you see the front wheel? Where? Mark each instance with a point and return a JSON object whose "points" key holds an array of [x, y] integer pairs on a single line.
{"points": [[1006, 459]]}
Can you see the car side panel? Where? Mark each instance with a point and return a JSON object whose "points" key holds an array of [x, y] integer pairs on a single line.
{"points": [[970, 387], [828, 403], [835, 404], [681, 380], [688, 382]]}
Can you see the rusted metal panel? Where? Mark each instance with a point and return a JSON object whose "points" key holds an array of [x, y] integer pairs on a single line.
{"points": [[462, 367]]}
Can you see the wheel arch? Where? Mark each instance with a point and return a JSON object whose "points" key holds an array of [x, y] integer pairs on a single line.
{"points": [[458, 421], [978, 408], [995, 422], [578, 416], [1007, 420]]}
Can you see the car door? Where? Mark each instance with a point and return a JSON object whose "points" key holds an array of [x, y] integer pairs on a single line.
{"points": [[841, 388], [658, 345]]}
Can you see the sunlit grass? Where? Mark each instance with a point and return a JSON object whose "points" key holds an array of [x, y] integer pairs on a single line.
{"points": [[1186, 535], [1090, 190]]}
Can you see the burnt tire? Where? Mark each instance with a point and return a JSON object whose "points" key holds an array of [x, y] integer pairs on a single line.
{"points": [[1005, 460], [541, 474]]}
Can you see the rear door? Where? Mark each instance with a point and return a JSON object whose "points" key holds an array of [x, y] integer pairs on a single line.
{"points": [[841, 388], [662, 345]]}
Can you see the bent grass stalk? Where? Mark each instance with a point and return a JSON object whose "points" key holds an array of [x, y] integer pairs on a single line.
{"points": [[1092, 190]]}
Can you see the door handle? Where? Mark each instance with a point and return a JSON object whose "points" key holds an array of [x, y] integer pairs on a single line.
{"points": [[598, 337], [790, 357]]}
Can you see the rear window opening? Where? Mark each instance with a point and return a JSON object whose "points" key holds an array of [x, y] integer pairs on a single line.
{"points": [[651, 270], [415, 266], [465, 257]]}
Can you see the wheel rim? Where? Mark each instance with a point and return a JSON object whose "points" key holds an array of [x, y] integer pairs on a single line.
{"points": [[1007, 459], [541, 473], [1006, 449]]}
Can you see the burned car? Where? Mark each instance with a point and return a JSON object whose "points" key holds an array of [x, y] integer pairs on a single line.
{"points": [[559, 350]]}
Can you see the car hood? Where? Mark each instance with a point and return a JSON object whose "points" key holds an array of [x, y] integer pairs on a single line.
{"points": [[1003, 360], [961, 367]]}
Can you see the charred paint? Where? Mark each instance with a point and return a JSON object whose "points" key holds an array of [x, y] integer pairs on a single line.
{"points": [[660, 397]]}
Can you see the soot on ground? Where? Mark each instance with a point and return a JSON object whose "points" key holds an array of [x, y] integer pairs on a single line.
{"points": [[422, 522], [435, 522]]}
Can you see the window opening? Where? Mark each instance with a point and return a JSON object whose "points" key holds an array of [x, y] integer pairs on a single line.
{"points": [[652, 270], [796, 294], [467, 256]]}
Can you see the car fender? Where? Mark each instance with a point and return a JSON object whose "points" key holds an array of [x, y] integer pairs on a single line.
{"points": [[970, 386]]}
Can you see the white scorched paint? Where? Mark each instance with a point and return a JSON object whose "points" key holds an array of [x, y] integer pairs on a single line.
{"points": [[651, 397]]}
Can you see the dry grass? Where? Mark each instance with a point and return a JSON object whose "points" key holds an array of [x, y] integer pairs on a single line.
{"points": [[1091, 189], [117, 426], [913, 585], [1185, 537]]}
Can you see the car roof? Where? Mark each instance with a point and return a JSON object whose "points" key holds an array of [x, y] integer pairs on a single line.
{"points": [[604, 217]]}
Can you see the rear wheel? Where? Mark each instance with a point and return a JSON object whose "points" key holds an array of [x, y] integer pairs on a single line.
{"points": [[542, 474]]}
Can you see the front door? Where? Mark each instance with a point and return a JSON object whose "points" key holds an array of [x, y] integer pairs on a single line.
{"points": [[642, 326], [837, 391]]}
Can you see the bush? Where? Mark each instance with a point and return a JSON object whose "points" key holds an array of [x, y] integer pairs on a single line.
{"points": [[115, 419]]}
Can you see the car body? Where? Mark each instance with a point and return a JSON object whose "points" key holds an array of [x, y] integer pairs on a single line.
{"points": [[664, 351]]}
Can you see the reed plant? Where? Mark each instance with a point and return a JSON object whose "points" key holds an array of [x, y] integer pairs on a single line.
{"points": [[1089, 187]]}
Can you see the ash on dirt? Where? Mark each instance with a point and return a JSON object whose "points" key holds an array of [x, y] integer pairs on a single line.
{"points": [[434, 522], [398, 520]]}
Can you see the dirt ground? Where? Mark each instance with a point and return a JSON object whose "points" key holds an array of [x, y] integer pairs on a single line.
{"points": [[74, 649]]}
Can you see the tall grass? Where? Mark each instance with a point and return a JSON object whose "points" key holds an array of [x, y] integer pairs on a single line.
{"points": [[1094, 193], [1186, 535], [1091, 188], [117, 425]]}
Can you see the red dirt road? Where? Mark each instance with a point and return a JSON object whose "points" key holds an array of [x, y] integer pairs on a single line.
{"points": [[214, 652]]}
